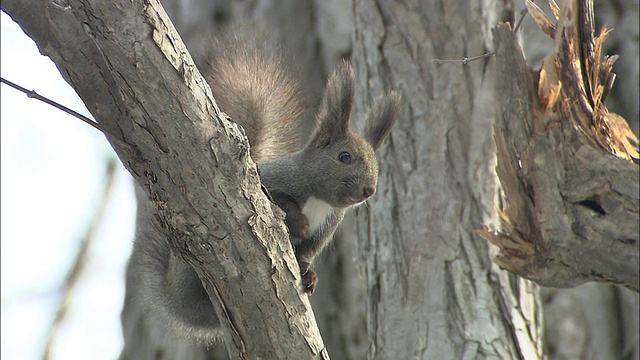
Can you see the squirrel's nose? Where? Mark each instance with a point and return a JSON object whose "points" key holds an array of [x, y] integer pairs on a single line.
{"points": [[368, 191]]}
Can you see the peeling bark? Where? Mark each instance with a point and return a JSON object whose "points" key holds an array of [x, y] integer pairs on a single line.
{"points": [[568, 167]]}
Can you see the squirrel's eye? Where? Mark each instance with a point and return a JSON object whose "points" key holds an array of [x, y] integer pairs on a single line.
{"points": [[345, 157]]}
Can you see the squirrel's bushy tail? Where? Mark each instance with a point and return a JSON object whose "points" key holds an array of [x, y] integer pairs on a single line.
{"points": [[250, 83]]}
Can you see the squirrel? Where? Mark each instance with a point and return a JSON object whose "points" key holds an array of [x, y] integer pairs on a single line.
{"points": [[314, 181], [314, 184]]}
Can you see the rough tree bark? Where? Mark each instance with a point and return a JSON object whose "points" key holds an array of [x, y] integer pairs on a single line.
{"points": [[565, 162], [315, 36], [432, 290], [131, 69], [337, 304], [594, 321]]}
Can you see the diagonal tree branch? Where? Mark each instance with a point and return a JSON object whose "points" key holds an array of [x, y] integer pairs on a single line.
{"points": [[128, 64]]}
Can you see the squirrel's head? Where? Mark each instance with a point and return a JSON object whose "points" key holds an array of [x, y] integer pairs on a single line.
{"points": [[345, 169]]}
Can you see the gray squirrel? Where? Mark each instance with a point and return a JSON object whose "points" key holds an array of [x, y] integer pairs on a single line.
{"points": [[315, 180], [335, 169]]}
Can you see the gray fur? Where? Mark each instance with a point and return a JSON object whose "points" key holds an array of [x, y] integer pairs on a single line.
{"points": [[162, 291], [250, 84], [254, 89], [316, 171]]}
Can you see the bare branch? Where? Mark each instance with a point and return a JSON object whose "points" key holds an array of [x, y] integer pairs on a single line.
{"points": [[465, 60], [34, 95], [128, 64]]}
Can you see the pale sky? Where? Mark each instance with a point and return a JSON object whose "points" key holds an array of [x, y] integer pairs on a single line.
{"points": [[52, 175]]}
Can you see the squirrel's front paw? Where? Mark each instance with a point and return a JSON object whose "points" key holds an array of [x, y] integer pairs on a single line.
{"points": [[309, 278], [298, 226]]}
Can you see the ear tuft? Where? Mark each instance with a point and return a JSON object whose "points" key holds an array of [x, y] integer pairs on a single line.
{"points": [[381, 117], [335, 109]]}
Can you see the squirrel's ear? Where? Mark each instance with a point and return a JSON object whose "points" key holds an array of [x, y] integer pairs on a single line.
{"points": [[334, 112], [381, 117]]}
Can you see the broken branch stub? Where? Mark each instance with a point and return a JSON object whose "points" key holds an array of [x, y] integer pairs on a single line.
{"points": [[567, 166]]}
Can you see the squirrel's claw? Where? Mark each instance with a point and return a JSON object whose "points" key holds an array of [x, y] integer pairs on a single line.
{"points": [[309, 277], [309, 280]]}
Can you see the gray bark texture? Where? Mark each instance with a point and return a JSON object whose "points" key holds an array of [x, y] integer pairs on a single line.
{"points": [[315, 36], [408, 276], [594, 321], [432, 291], [131, 69], [567, 165]]}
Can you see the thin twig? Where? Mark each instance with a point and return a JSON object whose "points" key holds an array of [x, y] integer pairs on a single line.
{"points": [[465, 60], [523, 13], [35, 95], [75, 272]]}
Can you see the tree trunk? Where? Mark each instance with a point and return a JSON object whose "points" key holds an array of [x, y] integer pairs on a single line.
{"points": [[314, 51], [322, 37], [432, 290], [131, 69], [422, 285]]}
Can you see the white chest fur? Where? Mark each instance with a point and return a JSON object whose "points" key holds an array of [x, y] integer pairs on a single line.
{"points": [[317, 212]]}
